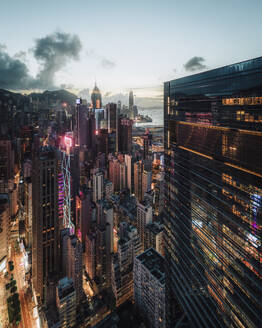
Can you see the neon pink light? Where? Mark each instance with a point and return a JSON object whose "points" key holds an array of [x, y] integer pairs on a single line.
{"points": [[68, 141]]}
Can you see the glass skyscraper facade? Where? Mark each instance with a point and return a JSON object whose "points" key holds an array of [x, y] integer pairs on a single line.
{"points": [[213, 195]]}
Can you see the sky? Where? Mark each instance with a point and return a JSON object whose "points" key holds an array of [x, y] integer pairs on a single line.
{"points": [[124, 44]]}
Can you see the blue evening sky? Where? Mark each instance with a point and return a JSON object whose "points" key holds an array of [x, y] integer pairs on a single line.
{"points": [[147, 41]]}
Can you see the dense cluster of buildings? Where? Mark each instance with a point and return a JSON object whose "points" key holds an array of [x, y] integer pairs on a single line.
{"points": [[83, 199], [103, 222]]}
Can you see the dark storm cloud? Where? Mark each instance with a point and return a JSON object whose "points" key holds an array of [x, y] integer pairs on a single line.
{"points": [[195, 64], [52, 53], [13, 72]]}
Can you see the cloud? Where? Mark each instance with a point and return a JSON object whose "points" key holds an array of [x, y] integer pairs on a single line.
{"points": [[69, 86], [52, 53], [13, 72], [107, 64], [103, 61], [21, 55], [174, 70], [195, 64]]}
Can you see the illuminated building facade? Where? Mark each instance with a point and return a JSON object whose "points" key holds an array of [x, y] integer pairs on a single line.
{"points": [[45, 223], [96, 98], [213, 195], [128, 247], [4, 229], [66, 173]]}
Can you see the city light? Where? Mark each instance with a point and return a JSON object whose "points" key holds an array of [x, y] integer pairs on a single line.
{"points": [[136, 207], [68, 141]]}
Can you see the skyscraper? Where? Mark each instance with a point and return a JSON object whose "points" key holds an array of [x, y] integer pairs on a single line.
{"points": [[98, 186], [90, 255], [213, 207], [96, 98], [144, 217], [131, 100], [125, 135], [138, 169], [112, 117], [4, 229], [74, 264], [128, 161], [114, 172], [146, 182], [45, 224], [147, 143]]}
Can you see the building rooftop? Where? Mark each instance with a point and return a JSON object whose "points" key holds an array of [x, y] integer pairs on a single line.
{"points": [[221, 72], [154, 262], [65, 287], [155, 227]]}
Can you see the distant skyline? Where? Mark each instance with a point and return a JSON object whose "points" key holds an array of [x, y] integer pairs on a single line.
{"points": [[123, 44]]}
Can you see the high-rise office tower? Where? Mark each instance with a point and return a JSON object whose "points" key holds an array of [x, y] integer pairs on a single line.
{"points": [[98, 186], [90, 254], [84, 213], [74, 264], [7, 160], [149, 287], [96, 98], [81, 126], [147, 144], [131, 104], [122, 177], [102, 141], [112, 117], [45, 224], [146, 182], [119, 107], [213, 207], [125, 135], [28, 211], [144, 217], [4, 229], [135, 111], [138, 170], [114, 172], [66, 303], [104, 243], [78, 118], [128, 161]]}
